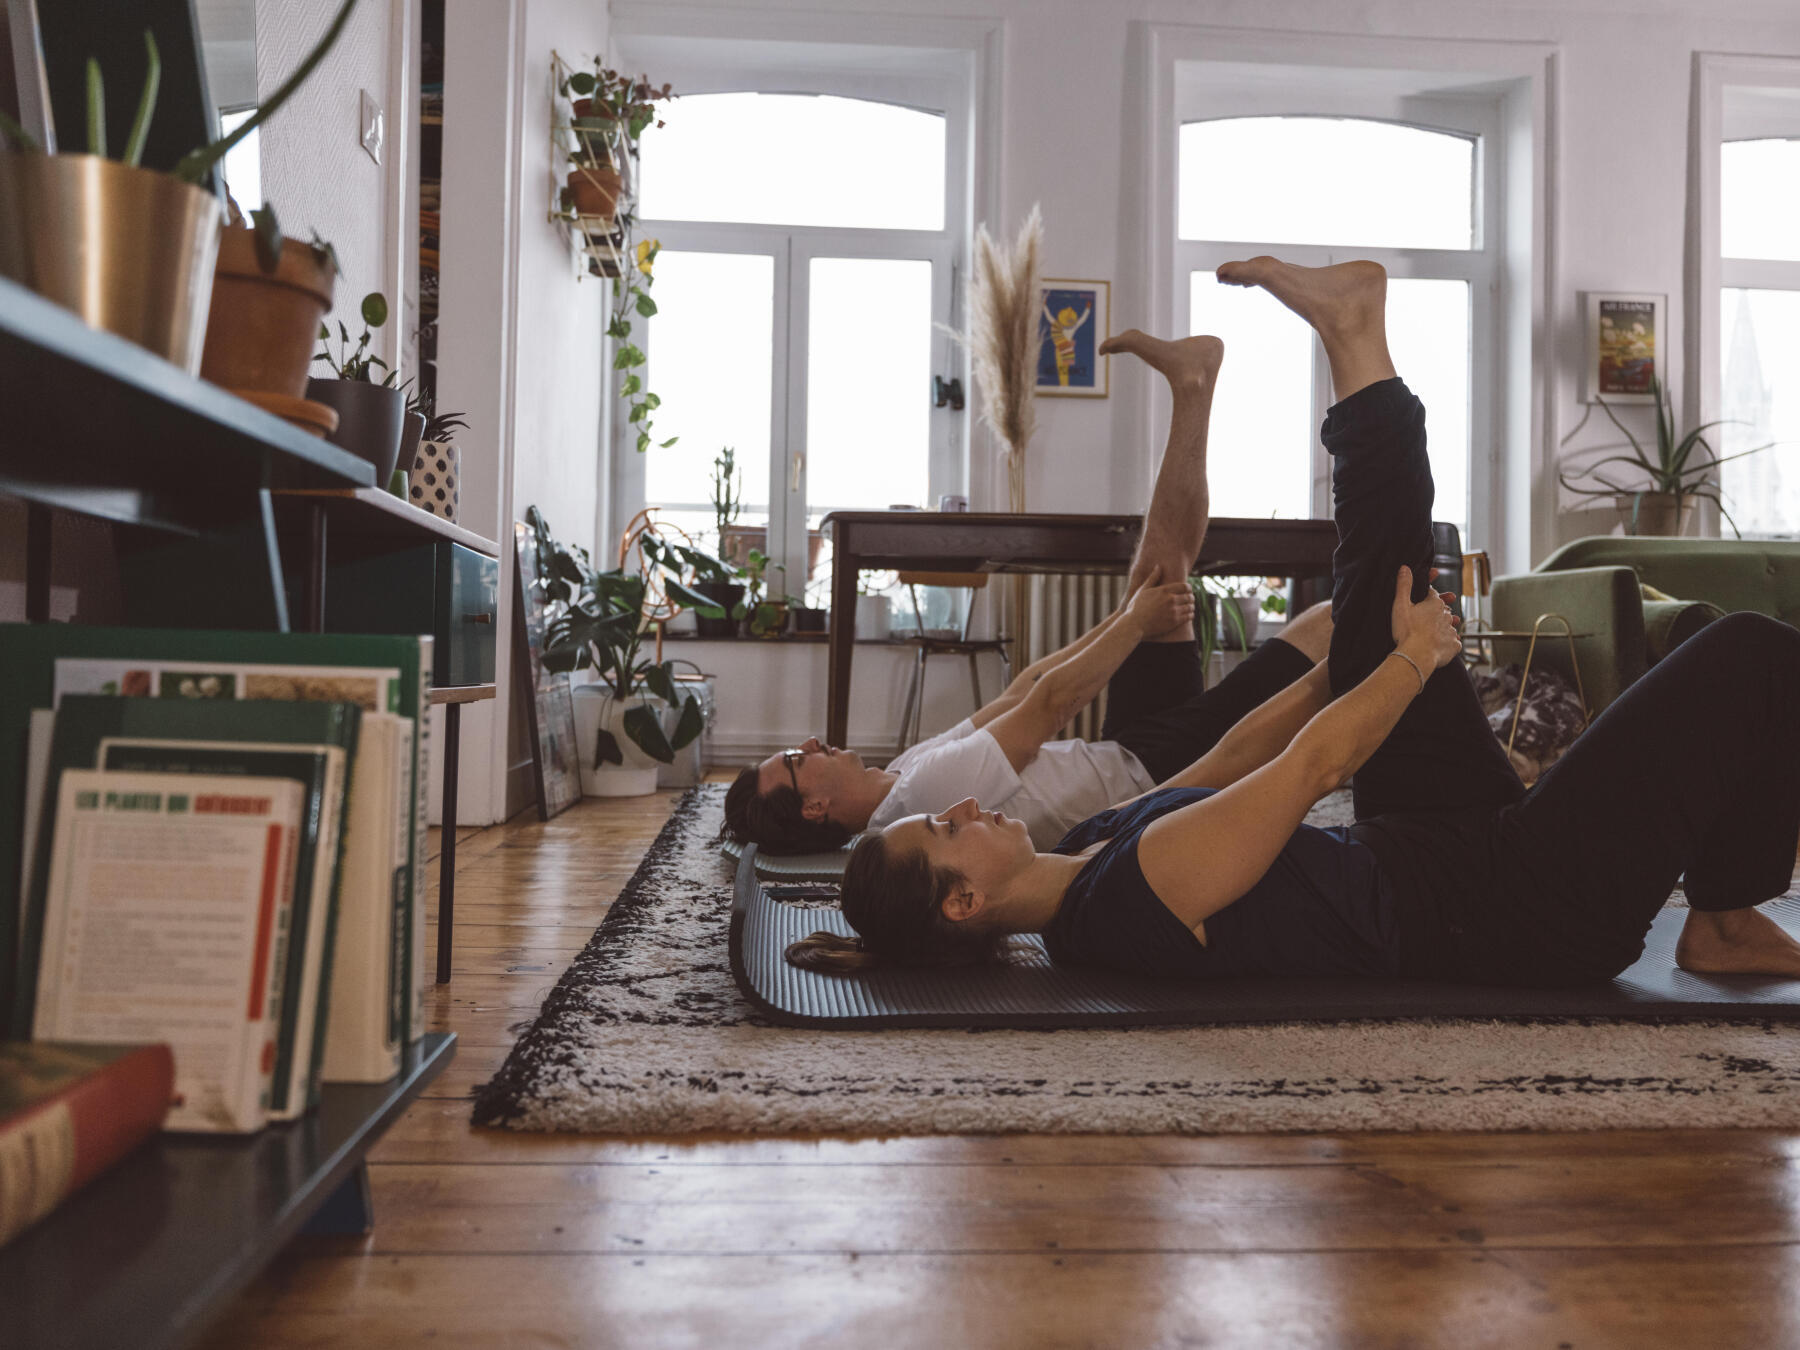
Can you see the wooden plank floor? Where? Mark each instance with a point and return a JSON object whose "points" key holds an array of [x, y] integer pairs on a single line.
{"points": [[494, 1239]]}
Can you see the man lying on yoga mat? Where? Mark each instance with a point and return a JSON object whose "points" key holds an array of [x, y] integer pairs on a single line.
{"points": [[1453, 871], [1160, 716]]}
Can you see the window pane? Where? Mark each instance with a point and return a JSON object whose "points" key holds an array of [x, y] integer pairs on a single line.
{"points": [[1759, 199], [1260, 446], [795, 159], [711, 362], [868, 372], [1761, 332], [1320, 180], [1428, 337]]}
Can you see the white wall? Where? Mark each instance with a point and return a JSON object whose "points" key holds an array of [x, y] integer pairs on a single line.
{"points": [[314, 170], [519, 338]]}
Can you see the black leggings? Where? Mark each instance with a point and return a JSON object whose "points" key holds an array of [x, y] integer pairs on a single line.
{"points": [[1159, 708], [1695, 769]]}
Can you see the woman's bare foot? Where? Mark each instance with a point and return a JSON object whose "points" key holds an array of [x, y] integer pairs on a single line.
{"points": [[1736, 942], [1342, 295], [1345, 303], [1185, 362]]}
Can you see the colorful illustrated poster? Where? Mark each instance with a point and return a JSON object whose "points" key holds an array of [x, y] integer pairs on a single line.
{"points": [[1625, 335], [1074, 318], [1627, 346]]}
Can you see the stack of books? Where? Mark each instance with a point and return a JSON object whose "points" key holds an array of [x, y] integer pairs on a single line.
{"points": [[215, 841]]}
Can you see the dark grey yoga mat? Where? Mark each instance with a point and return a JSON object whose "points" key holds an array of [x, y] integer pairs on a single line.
{"points": [[1033, 992], [794, 866]]}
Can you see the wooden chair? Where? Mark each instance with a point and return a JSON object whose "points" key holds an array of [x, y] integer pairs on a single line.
{"points": [[928, 646]]}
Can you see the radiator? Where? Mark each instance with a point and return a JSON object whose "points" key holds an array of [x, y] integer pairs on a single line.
{"points": [[1056, 611]]}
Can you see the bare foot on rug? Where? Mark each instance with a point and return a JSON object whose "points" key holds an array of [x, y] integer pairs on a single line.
{"points": [[1186, 363], [1736, 942]]}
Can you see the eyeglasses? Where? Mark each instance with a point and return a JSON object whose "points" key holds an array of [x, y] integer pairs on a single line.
{"points": [[790, 758]]}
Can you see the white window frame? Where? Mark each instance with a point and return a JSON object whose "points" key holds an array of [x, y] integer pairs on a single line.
{"points": [[945, 67], [1507, 88], [1711, 273]]}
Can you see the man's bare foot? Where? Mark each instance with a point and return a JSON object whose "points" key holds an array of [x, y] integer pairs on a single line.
{"points": [[1736, 942], [1344, 296], [1185, 362]]}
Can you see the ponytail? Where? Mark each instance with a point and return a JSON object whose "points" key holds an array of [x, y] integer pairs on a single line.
{"points": [[831, 954]]}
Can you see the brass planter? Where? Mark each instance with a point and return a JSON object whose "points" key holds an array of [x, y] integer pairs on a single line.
{"points": [[129, 250]]}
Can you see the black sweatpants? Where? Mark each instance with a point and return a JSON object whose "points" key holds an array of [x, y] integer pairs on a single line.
{"points": [[1159, 708], [1695, 770]]}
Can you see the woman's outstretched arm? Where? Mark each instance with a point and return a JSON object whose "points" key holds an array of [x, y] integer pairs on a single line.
{"points": [[1202, 857]]}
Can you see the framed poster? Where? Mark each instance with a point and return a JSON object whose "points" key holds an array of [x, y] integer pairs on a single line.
{"points": [[549, 705], [1074, 318], [1627, 342]]}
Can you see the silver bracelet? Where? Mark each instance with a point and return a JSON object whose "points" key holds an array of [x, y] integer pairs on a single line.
{"points": [[1414, 664]]}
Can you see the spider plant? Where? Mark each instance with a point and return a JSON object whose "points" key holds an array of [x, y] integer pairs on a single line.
{"points": [[1683, 465]]}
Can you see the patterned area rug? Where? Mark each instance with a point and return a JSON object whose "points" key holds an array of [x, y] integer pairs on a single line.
{"points": [[646, 1034]]}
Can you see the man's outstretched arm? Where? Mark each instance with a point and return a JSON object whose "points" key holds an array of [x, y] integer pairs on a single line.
{"points": [[1070, 686]]}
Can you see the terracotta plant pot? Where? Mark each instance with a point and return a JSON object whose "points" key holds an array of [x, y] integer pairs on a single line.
{"points": [[371, 420], [265, 325], [595, 192]]}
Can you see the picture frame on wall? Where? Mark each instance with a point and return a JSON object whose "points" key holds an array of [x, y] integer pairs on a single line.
{"points": [[549, 700], [1074, 318], [1627, 346]]}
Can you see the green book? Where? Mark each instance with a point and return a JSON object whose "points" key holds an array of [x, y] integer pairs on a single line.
{"points": [[233, 737], [39, 662]]}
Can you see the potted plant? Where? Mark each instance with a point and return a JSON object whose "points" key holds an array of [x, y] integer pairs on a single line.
{"points": [[717, 579], [1681, 472], [597, 621], [434, 478], [129, 249], [269, 299], [372, 416], [763, 614]]}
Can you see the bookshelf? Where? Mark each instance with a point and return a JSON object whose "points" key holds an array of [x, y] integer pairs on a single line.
{"points": [[154, 1247]]}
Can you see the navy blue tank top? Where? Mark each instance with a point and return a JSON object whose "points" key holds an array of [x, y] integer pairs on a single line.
{"points": [[1321, 908]]}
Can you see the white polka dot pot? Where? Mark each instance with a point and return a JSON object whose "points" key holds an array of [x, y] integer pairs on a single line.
{"points": [[434, 480]]}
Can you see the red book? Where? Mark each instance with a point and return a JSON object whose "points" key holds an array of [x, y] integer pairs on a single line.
{"points": [[67, 1113]]}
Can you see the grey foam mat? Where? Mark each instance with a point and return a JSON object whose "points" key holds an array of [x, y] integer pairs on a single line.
{"points": [[1035, 992], [794, 866]]}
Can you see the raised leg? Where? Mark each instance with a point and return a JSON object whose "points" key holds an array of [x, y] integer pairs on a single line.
{"points": [[1175, 524], [1441, 754]]}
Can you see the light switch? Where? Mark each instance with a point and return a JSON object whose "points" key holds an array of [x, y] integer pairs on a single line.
{"points": [[374, 126]]}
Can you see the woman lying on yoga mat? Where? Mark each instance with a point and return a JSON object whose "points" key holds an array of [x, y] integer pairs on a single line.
{"points": [[1452, 871]]}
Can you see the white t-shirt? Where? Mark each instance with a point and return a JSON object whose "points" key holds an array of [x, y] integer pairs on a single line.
{"points": [[1067, 782]]}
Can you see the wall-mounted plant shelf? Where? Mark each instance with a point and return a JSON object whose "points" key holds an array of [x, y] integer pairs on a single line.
{"points": [[593, 166]]}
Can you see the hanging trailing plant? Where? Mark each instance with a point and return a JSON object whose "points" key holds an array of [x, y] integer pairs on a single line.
{"points": [[610, 112], [631, 297]]}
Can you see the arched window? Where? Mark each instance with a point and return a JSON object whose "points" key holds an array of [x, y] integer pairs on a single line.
{"points": [[808, 247], [1317, 190]]}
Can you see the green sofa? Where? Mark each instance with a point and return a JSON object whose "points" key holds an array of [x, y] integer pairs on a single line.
{"points": [[1596, 583]]}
